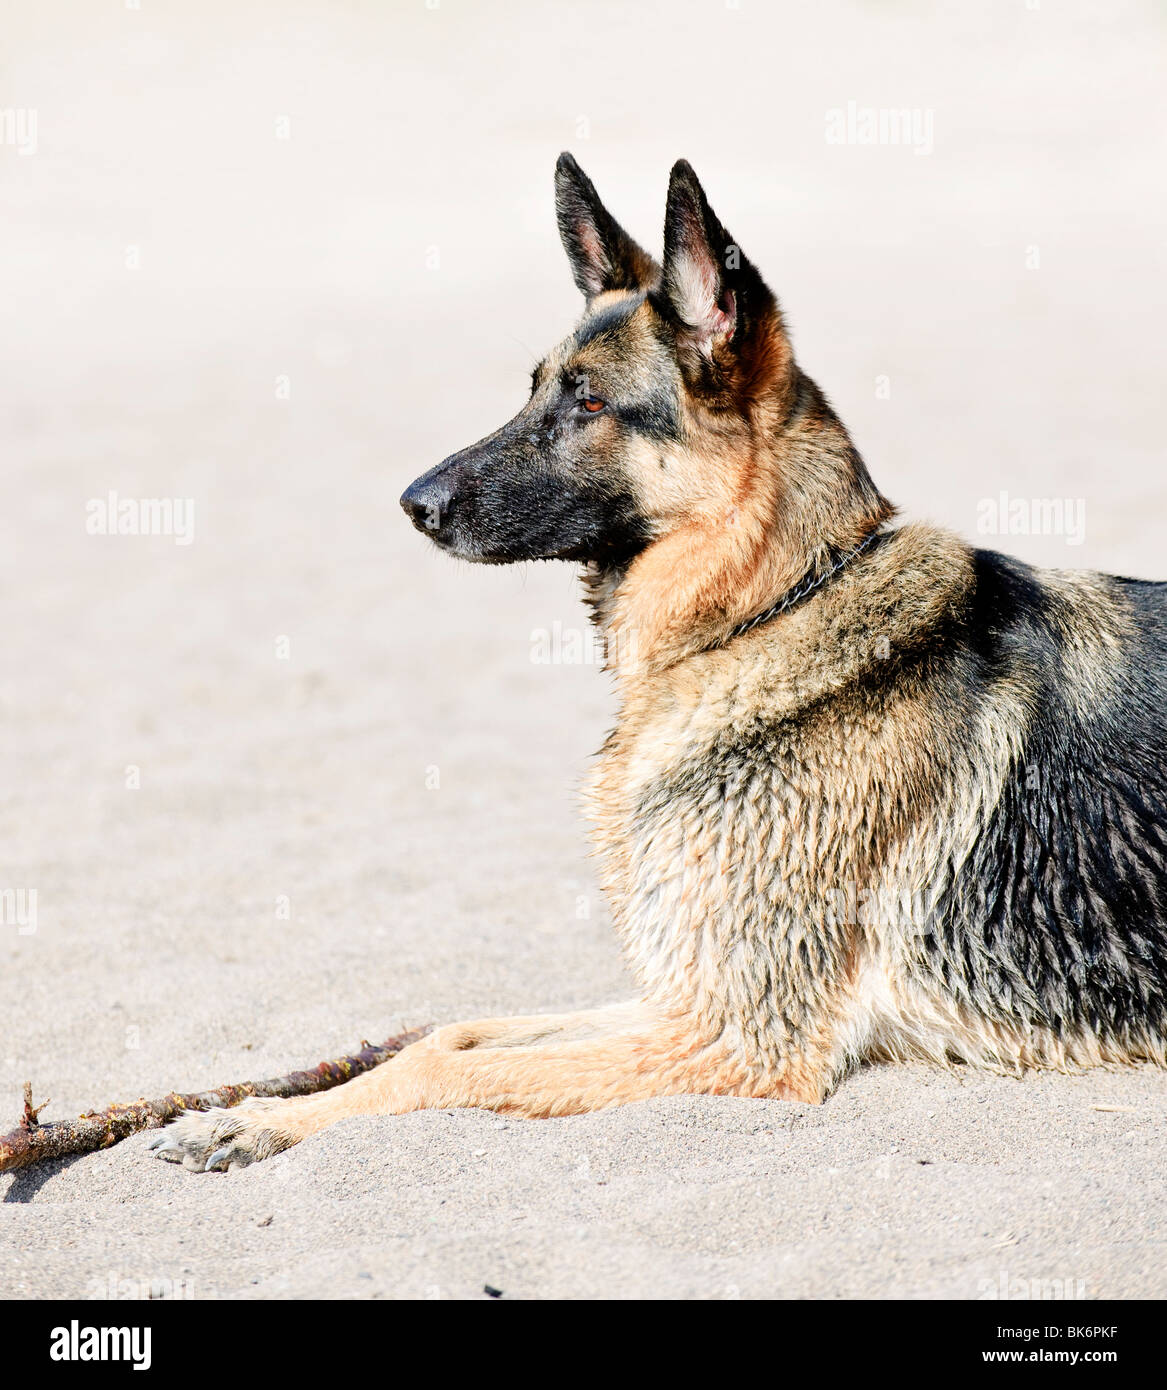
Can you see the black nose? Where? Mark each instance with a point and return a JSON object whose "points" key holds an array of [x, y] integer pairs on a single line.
{"points": [[426, 502]]}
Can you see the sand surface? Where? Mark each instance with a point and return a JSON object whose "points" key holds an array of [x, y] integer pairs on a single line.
{"points": [[300, 780]]}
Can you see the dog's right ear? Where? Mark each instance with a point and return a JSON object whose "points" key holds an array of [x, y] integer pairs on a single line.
{"points": [[602, 254]]}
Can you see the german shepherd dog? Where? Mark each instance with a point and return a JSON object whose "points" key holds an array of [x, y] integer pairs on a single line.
{"points": [[872, 794]]}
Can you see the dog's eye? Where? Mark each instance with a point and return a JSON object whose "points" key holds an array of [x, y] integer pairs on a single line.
{"points": [[592, 404]]}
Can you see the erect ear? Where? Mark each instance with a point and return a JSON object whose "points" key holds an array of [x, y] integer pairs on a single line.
{"points": [[728, 325], [602, 254]]}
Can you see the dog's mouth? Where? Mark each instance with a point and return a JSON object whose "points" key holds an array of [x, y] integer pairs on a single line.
{"points": [[584, 550]]}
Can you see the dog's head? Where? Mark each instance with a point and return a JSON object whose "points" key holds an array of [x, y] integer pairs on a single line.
{"points": [[625, 437]]}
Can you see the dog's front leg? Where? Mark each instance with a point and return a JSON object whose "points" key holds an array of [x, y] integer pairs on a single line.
{"points": [[551, 1064]]}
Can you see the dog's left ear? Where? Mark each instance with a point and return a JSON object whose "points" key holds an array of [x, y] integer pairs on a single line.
{"points": [[727, 322], [602, 254]]}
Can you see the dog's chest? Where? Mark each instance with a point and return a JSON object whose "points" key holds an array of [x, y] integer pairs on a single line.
{"points": [[723, 823]]}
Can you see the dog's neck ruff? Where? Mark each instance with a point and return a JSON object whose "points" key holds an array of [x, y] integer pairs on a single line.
{"points": [[804, 588]]}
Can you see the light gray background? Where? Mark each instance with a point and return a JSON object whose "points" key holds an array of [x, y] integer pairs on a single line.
{"points": [[417, 136]]}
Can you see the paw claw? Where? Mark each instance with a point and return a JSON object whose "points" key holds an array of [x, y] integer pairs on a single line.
{"points": [[215, 1141]]}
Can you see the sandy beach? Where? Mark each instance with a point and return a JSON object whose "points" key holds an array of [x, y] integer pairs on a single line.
{"points": [[282, 777]]}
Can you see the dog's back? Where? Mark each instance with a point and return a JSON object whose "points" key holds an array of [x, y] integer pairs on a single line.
{"points": [[1056, 922]]}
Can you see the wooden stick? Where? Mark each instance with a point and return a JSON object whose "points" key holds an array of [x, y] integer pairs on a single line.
{"points": [[31, 1141]]}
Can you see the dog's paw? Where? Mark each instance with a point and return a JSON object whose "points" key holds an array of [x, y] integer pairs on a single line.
{"points": [[207, 1141]]}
